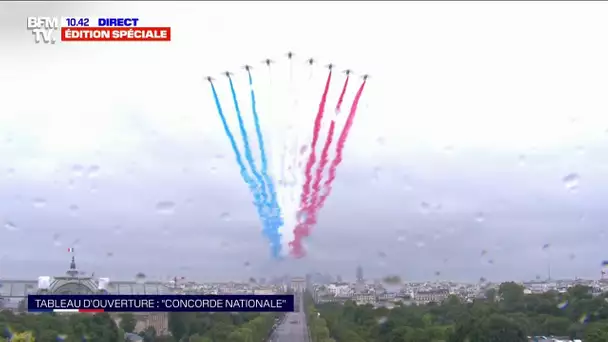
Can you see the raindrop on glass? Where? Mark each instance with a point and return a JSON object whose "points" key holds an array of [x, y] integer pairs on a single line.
{"points": [[425, 208], [39, 202], [57, 240], [407, 186], [225, 216], [74, 209], [77, 170], [376, 174], [140, 278], [165, 207], [93, 171], [522, 159], [10, 226], [571, 181], [117, 230]]}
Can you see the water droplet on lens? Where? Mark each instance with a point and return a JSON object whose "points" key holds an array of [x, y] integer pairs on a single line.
{"points": [[522, 159], [93, 171], [39, 202], [117, 230], [425, 207], [74, 209], [376, 174], [57, 240], [480, 217], [225, 216], [77, 170], [571, 181], [165, 207], [140, 278], [10, 226]]}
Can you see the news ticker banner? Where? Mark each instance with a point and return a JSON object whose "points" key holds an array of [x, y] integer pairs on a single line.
{"points": [[50, 30], [160, 303]]}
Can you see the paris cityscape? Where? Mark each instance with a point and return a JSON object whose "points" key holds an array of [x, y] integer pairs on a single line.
{"points": [[386, 294]]}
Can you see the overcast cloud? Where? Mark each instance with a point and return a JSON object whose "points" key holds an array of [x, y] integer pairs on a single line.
{"points": [[474, 115]]}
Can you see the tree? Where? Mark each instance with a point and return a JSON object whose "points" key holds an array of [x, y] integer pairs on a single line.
{"points": [[510, 318], [23, 337], [597, 332], [128, 322]]}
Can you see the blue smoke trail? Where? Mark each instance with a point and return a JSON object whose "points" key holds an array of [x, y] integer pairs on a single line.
{"points": [[245, 175], [259, 189], [276, 210], [239, 159]]}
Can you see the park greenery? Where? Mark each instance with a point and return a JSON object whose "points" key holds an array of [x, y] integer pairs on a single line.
{"points": [[184, 327], [505, 315]]}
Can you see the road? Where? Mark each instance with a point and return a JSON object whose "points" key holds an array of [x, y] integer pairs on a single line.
{"points": [[292, 332]]}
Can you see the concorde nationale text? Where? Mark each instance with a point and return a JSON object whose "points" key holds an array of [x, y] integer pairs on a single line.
{"points": [[162, 303]]}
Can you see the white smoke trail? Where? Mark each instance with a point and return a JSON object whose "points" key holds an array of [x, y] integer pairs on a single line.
{"points": [[275, 149], [289, 158]]}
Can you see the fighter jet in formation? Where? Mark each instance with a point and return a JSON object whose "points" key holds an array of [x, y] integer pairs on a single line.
{"points": [[365, 77], [348, 72], [310, 61], [210, 79], [228, 74], [268, 61], [330, 66], [247, 67], [290, 54]]}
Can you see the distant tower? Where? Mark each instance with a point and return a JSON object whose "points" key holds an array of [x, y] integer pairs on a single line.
{"points": [[359, 274], [72, 272]]}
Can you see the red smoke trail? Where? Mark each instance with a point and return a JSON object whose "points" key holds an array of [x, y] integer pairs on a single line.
{"points": [[313, 206], [341, 99], [303, 228], [315, 139]]}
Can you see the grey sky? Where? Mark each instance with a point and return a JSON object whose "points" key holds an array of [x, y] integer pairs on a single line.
{"points": [[479, 108]]}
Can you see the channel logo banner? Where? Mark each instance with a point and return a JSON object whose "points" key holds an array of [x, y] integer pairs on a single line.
{"points": [[95, 29], [161, 303]]}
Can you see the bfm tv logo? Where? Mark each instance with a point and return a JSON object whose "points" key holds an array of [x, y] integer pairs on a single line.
{"points": [[43, 29]]}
